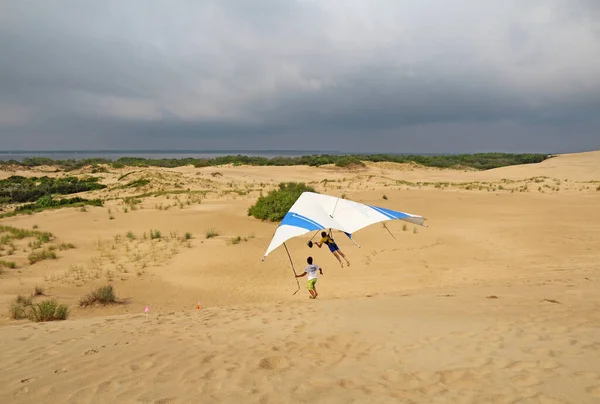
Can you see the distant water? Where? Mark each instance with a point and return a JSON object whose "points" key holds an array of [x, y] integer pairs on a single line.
{"points": [[152, 154]]}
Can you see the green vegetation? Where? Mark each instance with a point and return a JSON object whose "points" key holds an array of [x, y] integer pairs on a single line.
{"points": [[48, 310], [349, 161], [137, 183], [237, 240], [480, 161], [7, 264], [103, 295], [65, 246], [38, 256], [276, 204], [9, 233], [18, 308], [211, 233], [17, 189], [47, 202]]}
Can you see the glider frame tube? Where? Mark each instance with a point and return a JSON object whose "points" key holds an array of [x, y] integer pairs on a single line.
{"points": [[293, 269]]}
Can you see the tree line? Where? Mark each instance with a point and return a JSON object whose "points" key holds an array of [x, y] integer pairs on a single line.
{"points": [[480, 161]]}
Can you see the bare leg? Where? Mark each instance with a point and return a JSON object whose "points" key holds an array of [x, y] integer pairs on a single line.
{"points": [[313, 294], [338, 258], [342, 254]]}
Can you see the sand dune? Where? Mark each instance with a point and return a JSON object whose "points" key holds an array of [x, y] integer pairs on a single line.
{"points": [[495, 302]]}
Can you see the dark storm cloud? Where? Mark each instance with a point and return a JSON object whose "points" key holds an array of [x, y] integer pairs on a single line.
{"points": [[428, 76]]}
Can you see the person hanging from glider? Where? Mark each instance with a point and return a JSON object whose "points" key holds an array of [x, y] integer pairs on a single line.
{"points": [[311, 271], [318, 212], [333, 247]]}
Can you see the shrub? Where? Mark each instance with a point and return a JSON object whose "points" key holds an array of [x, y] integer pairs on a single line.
{"points": [[278, 202], [103, 295], [48, 310], [349, 161], [40, 256], [137, 183], [17, 311], [237, 240], [19, 189], [212, 233], [47, 202], [7, 264]]}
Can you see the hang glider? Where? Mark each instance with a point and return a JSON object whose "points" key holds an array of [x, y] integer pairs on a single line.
{"points": [[312, 212]]}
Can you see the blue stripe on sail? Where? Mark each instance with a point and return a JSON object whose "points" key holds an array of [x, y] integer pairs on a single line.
{"points": [[392, 214], [349, 235], [294, 219]]}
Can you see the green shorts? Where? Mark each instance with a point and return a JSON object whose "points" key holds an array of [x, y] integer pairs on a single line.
{"points": [[311, 284]]}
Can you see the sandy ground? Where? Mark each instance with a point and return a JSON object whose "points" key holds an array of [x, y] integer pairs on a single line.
{"points": [[497, 301]]}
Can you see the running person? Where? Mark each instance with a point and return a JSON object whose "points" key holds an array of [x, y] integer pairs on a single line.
{"points": [[311, 271], [333, 247]]}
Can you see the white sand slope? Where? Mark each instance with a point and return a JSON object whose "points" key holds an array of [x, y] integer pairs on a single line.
{"points": [[459, 345]]}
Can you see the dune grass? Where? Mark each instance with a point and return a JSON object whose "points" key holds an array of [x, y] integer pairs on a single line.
{"points": [[38, 256], [103, 295], [7, 264], [47, 202], [212, 233], [47, 310]]}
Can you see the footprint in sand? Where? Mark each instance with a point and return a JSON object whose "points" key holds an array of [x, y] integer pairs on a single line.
{"points": [[525, 380], [550, 365], [166, 400], [594, 391], [520, 366], [274, 363], [587, 375]]}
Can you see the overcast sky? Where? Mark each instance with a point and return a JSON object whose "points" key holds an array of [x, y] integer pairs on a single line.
{"points": [[348, 75]]}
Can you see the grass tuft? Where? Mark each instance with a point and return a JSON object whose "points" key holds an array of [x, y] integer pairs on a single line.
{"points": [[48, 310], [41, 255], [211, 233], [103, 295], [237, 240], [7, 264]]}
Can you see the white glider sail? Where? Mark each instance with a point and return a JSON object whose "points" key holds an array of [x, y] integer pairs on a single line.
{"points": [[313, 211]]}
